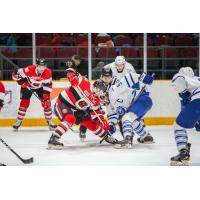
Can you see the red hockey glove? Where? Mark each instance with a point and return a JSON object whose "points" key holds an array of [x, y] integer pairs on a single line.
{"points": [[73, 79]]}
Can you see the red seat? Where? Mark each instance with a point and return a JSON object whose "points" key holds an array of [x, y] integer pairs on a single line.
{"points": [[170, 52], [121, 40], [80, 39], [43, 40], [129, 52], [24, 53], [83, 52], [164, 40], [7, 53], [151, 53], [189, 52], [46, 53], [107, 53], [183, 41], [139, 41], [66, 52], [101, 39]]}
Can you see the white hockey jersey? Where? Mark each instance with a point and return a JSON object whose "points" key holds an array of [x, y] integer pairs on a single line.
{"points": [[183, 83], [127, 69], [122, 94]]}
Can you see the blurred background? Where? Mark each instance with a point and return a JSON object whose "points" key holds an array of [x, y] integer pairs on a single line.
{"points": [[159, 53]]}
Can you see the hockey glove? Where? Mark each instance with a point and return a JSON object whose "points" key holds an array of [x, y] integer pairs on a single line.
{"points": [[197, 126], [1, 103], [185, 98], [146, 79], [112, 129]]}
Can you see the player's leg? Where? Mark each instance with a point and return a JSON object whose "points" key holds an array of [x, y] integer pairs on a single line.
{"points": [[65, 114], [45, 96], [136, 113], [186, 119], [25, 96]]}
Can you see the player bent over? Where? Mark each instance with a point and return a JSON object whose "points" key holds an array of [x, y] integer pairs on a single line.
{"points": [[80, 104], [121, 105], [188, 87], [38, 79], [2, 95]]}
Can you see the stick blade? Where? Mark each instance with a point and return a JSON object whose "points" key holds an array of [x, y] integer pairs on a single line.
{"points": [[28, 161]]}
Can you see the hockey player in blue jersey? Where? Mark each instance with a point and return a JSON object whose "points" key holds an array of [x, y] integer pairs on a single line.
{"points": [[188, 88], [122, 106]]}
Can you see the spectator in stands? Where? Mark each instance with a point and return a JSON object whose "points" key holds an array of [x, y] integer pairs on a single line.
{"points": [[56, 39], [9, 41], [81, 65], [108, 43]]}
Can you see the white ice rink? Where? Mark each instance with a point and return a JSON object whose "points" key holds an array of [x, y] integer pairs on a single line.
{"points": [[32, 142]]}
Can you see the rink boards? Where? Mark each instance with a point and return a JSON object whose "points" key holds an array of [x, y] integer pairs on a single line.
{"points": [[165, 105]]}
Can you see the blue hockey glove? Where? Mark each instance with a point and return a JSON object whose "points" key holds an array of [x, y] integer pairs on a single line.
{"points": [[146, 79], [197, 126], [185, 98], [112, 128]]}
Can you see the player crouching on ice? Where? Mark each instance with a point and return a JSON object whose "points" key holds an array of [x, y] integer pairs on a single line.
{"points": [[121, 104], [188, 87], [34, 79], [80, 104]]}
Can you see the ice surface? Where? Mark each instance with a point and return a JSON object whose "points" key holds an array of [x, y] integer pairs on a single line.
{"points": [[32, 142]]}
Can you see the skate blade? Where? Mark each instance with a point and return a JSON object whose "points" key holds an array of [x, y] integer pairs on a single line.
{"points": [[179, 163], [54, 147], [120, 146], [148, 142]]}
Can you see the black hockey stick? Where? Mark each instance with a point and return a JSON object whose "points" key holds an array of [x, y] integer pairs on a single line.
{"points": [[25, 161]]}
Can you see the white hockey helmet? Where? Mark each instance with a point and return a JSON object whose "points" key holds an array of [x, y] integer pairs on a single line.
{"points": [[188, 71], [120, 60]]}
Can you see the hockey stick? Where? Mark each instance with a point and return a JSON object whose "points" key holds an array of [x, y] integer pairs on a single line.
{"points": [[25, 161], [2, 164]]}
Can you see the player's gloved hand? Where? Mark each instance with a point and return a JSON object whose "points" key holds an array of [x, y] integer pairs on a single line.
{"points": [[185, 98], [1, 104], [197, 126], [146, 79], [112, 128]]}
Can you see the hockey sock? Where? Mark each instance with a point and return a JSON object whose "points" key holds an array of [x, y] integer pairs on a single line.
{"points": [[61, 128], [48, 113], [127, 128], [138, 127], [181, 137]]}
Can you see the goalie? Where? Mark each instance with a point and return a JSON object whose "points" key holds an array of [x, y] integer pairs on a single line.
{"points": [[80, 104]]}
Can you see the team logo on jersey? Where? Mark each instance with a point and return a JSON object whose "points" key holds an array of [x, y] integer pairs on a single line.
{"points": [[120, 110]]}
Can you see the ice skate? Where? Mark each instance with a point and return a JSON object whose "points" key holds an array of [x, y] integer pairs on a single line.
{"points": [[54, 143], [17, 125], [52, 126], [127, 143], [110, 139], [148, 139], [182, 159]]}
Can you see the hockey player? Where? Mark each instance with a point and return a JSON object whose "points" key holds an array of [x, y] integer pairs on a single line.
{"points": [[2, 95], [122, 106], [120, 67], [38, 79], [80, 104], [188, 88]]}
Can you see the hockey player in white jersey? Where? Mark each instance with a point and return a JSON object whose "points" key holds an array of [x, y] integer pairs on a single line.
{"points": [[188, 88], [122, 106], [120, 67]]}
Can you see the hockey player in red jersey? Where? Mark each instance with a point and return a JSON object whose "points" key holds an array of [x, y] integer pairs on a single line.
{"points": [[80, 104], [2, 95], [38, 79]]}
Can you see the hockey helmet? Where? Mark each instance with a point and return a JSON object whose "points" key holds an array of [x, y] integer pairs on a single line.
{"points": [[107, 71], [40, 61], [188, 71], [120, 60]]}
